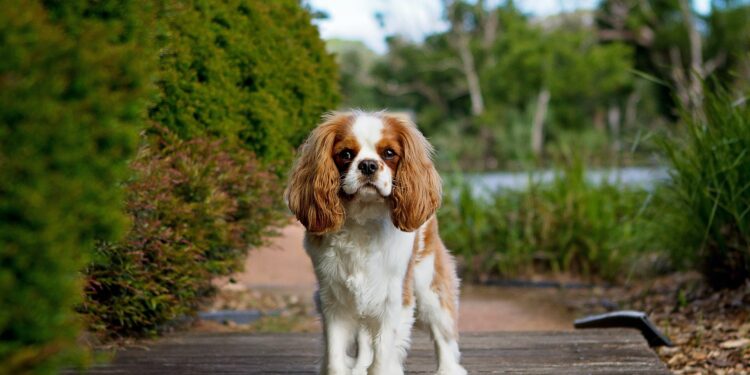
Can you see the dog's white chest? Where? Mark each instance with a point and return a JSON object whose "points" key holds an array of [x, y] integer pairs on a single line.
{"points": [[362, 267]]}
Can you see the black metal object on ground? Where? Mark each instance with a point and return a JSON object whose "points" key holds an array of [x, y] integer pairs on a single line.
{"points": [[626, 319]]}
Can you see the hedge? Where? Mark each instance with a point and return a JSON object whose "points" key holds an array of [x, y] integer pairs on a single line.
{"points": [[73, 82], [242, 82], [196, 207], [253, 72]]}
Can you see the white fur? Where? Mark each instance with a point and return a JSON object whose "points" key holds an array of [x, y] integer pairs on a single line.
{"points": [[360, 271]]}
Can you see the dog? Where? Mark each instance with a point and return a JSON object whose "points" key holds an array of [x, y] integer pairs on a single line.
{"points": [[366, 190]]}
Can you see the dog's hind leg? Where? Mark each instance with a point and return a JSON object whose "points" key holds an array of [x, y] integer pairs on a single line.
{"points": [[436, 289]]}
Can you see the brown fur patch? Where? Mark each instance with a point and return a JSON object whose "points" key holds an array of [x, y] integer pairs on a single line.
{"points": [[345, 140], [416, 184], [407, 293], [444, 280], [389, 141], [429, 235]]}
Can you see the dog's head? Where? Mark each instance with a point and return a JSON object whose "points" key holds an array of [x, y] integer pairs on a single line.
{"points": [[366, 156]]}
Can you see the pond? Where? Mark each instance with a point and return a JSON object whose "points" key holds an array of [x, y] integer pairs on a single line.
{"points": [[638, 177]]}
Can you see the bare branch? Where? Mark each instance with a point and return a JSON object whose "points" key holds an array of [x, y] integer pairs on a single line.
{"points": [[537, 127], [714, 63], [460, 40]]}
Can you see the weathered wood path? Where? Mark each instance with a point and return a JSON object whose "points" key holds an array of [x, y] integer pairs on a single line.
{"points": [[600, 351]]}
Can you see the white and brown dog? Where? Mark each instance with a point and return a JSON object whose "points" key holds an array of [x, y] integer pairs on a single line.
{"points": [[365, 188]]}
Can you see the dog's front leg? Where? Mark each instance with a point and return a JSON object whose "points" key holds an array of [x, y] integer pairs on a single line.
{"points": [[364, 352], [388, 359], [339, 333]]}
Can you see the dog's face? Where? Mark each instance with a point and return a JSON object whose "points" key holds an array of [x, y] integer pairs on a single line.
{"points": [[364, 156], [367, 155]]}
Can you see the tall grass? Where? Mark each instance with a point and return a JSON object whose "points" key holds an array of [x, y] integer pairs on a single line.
{"points": [[570, 225], [706, 208]]}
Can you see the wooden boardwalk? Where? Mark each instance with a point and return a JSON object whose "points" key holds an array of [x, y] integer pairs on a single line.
{"points": [[602, 351]]}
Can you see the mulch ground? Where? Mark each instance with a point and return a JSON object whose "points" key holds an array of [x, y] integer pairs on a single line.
{"points": [[710, 329]]}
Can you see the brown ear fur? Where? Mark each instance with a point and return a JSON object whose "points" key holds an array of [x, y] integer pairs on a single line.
{"points": [[417, 189], [312, 191]]}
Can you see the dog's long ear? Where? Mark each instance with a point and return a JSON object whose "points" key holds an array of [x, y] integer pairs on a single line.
{"points": [[312, 191], [417, 189]]}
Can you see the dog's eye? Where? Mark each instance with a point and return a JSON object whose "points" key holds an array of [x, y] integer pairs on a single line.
{"points": [[346, 155], [389, 154]]}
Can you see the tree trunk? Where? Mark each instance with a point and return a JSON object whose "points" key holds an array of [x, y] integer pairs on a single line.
{"points": [[631, 109], [460, 40], [537, 127], [489, 32], [614, 119], [696, 74], [472, 79]]}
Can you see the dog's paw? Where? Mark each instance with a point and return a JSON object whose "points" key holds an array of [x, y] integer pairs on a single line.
{"points": [[451, 370], [389, 370], [359, 371]]}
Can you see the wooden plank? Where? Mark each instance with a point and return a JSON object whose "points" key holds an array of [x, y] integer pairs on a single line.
{"points": [[610, 351]]}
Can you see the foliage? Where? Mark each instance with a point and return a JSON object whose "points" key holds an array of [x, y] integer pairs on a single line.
{"points": [[514, 61], [705, 219], [355, 62], [73, 82], [611, 74], [658, 32], [252, 72], [196, 206], [571, 225], [241, 84]]}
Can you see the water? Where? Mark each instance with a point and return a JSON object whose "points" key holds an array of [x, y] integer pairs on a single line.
{"points": [[640, 177]]}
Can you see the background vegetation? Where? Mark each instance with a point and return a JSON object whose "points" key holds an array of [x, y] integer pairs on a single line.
{"points": [[517, 89], [572, 225], [705, 221], [622, 85]]}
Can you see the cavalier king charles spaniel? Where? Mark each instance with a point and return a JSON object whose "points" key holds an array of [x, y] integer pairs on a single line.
{"points": [[366, 190]]}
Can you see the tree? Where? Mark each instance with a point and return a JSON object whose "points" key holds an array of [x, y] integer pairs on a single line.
{"points": [[680, 47], [355, 63]]}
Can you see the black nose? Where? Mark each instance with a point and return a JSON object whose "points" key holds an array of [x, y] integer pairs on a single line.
{"points": [[368, 166]]}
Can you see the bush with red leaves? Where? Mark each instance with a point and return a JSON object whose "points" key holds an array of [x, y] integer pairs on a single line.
{"points": [[196, 207]]}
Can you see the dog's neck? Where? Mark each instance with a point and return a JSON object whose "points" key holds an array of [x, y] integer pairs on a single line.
{"points": [[367, 209]]}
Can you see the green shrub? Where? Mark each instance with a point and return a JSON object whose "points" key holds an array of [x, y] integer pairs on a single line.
{"points": [[570, 225], [73, 79], [196, 207], [238, 79], [253, 72], [706, 209]]}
